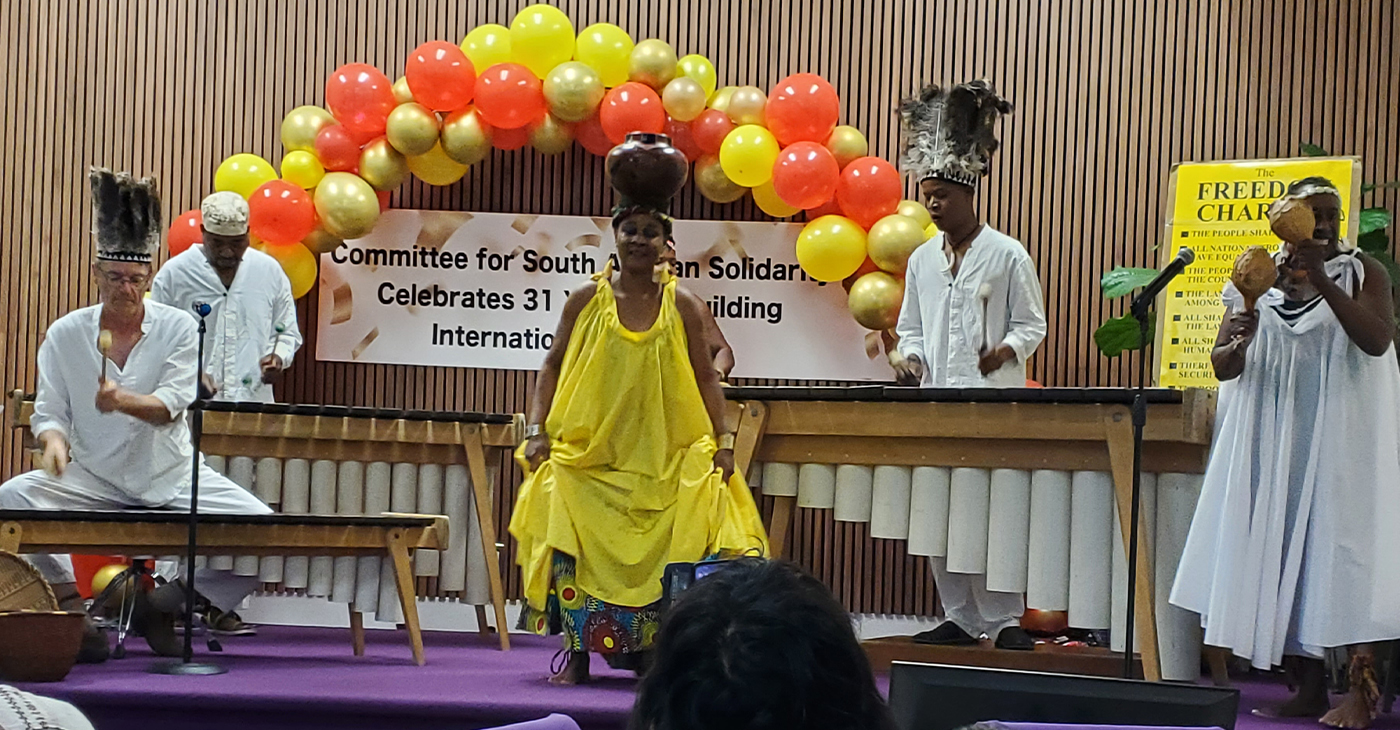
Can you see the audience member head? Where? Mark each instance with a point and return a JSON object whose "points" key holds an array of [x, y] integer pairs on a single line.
{"points": [[759, 645]]}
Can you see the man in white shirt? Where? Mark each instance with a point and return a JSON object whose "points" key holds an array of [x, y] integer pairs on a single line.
{"points": [[120, 414], [252, 331], [972, 314]]}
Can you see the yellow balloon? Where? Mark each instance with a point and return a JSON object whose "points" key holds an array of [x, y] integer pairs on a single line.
{"points": [[104, 576], [436, 168], [769, 202], [831, 248], [712, 183], [301, 125], [653, 62], [541, 37], [321, 241], [930, 231], [683, 98], [550, 136], [747, 155], [347, 205], [720, 99], [573, 91], [412, 128], [606, 48], [465, 138], [382, 166], [875, 300], [847, 144], [916, 210], [486, 46], [302, 169], [746, 105], [402, 94], [698, 67], [892, 239], [299, 264], [242, 174]]}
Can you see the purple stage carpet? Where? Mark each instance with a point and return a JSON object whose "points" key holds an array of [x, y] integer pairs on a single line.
{"points": [[307, 679]]}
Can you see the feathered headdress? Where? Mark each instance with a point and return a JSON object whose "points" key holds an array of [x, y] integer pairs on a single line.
{"points": [[949, 132], [125, 216]]}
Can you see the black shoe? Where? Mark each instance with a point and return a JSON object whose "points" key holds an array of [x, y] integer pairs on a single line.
{"points": [[158, 627], [947, 634], [1015, 638], [94, 649]]}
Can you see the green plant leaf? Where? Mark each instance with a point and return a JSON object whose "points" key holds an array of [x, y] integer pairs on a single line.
{"points": [[1374, 219], [1311, 150], [1123, 280], [1120, 334]]}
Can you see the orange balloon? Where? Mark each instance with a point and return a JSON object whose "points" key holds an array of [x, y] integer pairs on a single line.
{"points": [[710, 129], [802, 108], [631, 107], [511, 139], [682, 139], [281, 213], [508, 96], [336, 149], [186, 231], [440, 76], [590, 134], [805, 175], [360, 96], [869, 190], [383, 196]]}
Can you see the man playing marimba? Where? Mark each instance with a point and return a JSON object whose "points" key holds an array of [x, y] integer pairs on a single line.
{"points": [[972, 311], [114, 382], [252, 328]]}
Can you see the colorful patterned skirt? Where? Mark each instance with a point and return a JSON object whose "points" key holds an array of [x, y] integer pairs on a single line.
{"points": [[587, 623]]}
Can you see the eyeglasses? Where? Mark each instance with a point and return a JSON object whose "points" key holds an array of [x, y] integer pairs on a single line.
{"points": [[116, 279]]}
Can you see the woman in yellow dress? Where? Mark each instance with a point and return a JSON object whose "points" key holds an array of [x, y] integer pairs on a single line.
{"points": [[630, 466]]}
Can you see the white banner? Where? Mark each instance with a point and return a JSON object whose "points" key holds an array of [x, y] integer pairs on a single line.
{"points": [[484, 290]]}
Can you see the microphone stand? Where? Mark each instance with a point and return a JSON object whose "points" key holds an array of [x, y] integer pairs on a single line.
{"points": [[1141, 311], [187, 665]]}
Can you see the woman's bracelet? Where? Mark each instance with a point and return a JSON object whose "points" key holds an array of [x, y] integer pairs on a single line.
{"points": [[726, 441]]}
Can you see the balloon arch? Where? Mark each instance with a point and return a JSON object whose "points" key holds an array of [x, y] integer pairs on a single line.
{"points": [[538, 84]]}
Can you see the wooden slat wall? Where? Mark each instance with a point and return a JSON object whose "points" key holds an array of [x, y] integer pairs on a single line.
{"points": [[1109, 95]]}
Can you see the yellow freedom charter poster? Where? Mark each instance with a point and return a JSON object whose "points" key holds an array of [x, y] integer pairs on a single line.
{"points": [[1218, 209]]}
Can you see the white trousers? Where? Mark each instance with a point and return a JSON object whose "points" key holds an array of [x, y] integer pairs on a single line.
{"points": [[968, 603], [79, 489]]}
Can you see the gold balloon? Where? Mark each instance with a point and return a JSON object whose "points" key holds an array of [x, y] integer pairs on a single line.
{"points": [[550, 136], [891, 240], [653, 62], [683, 98], [402, 94], [714, 184], [347, 205], [930, 231], [573, 91], [382, 166], [916, 210], [435, 168], [746, 105], [847, 144], [320, 241], [720, 99], [465, 137], [412, 128], [103, 577], [301, 125], [875, 300]]}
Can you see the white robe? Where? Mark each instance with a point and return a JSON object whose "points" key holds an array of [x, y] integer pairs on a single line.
{"points": [[1294, 544]]}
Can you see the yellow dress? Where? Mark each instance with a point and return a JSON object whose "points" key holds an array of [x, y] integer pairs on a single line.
{"points": [[630, 483]]}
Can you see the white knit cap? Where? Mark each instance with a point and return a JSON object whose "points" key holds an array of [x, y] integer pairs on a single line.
{"points": [[225, 214]]}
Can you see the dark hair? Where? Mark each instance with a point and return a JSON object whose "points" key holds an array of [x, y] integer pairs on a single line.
{"points": [[622, 213], [759, 645], [1315, 180]]}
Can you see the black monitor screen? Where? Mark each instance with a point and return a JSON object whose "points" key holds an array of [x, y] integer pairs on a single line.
{"points": [[943, 697]]}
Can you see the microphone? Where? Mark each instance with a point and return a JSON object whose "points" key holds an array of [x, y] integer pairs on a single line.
{"points": [[1144, 299], [201, 308]]}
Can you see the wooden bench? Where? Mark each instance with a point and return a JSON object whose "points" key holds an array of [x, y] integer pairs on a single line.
{"points": [[143, 532]]}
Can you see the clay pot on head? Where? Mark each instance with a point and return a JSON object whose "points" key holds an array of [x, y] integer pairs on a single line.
{"points": [[646, 170]]}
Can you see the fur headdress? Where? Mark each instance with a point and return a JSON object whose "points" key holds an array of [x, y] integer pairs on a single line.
{"points": [[125, 216], [949, 132]]}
